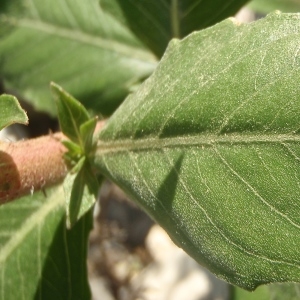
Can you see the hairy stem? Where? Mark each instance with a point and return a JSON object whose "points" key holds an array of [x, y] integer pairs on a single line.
{"points": [[27, 166], [31, 165]]}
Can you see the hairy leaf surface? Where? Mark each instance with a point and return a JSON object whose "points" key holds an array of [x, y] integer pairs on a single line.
{"points": [[73, 43], [210, 147], [39, 257], [157, 22]]}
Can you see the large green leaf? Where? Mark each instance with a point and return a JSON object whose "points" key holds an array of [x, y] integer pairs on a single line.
{"points": [[157, 22], [73, 43], [11, 111], [209, 145], [266, 6], [39, 257]]}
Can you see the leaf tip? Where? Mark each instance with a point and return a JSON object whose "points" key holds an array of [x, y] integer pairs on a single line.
{"points": [[11, 111], [56, 89]]}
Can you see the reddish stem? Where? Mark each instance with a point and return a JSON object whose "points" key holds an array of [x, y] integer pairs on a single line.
{"points": [[30, 165]]}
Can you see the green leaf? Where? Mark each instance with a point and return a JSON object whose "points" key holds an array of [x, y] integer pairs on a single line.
{"points": [[87, 132], [73, 43], [74, 152], [71, 114], [157, 22], [209, 145], [73, 188], [39, 258], [266, 6], [81, 188], [11, 111]]}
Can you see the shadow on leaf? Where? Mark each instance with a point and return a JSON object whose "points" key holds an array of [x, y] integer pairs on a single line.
{"points": [[167, 190]]}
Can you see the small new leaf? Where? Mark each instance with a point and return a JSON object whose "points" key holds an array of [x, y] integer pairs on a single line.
{"points": [[80, 185], [11, 111], [74, 152], [86, 133], [71, 113]]}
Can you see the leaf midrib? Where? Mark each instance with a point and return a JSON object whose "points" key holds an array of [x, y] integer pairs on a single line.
{"points": [[203, 140], [82, 37], [169, 142]]}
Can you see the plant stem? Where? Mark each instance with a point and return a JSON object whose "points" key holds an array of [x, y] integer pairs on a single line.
{"points": [[28, 166], [31, 165]]}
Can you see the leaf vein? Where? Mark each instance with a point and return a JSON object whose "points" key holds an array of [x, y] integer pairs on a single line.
{"points": [[34, 10], [216, 16], [290, 151], [253, 190], [220, 231], [204, 140], [69, 14], [259, 68], [150, 18], [247, 100], [226, 238], [213, 78], [86, 38], [200, 173], [266, 167], [191, 8]]}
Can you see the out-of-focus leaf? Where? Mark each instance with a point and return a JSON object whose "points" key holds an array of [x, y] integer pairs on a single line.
{"points": [[157, 22], [209, 145], [73, 43], [39, 257], [261, 293], [11, 111], [277, 291], [266, 6], [289, 291]]}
